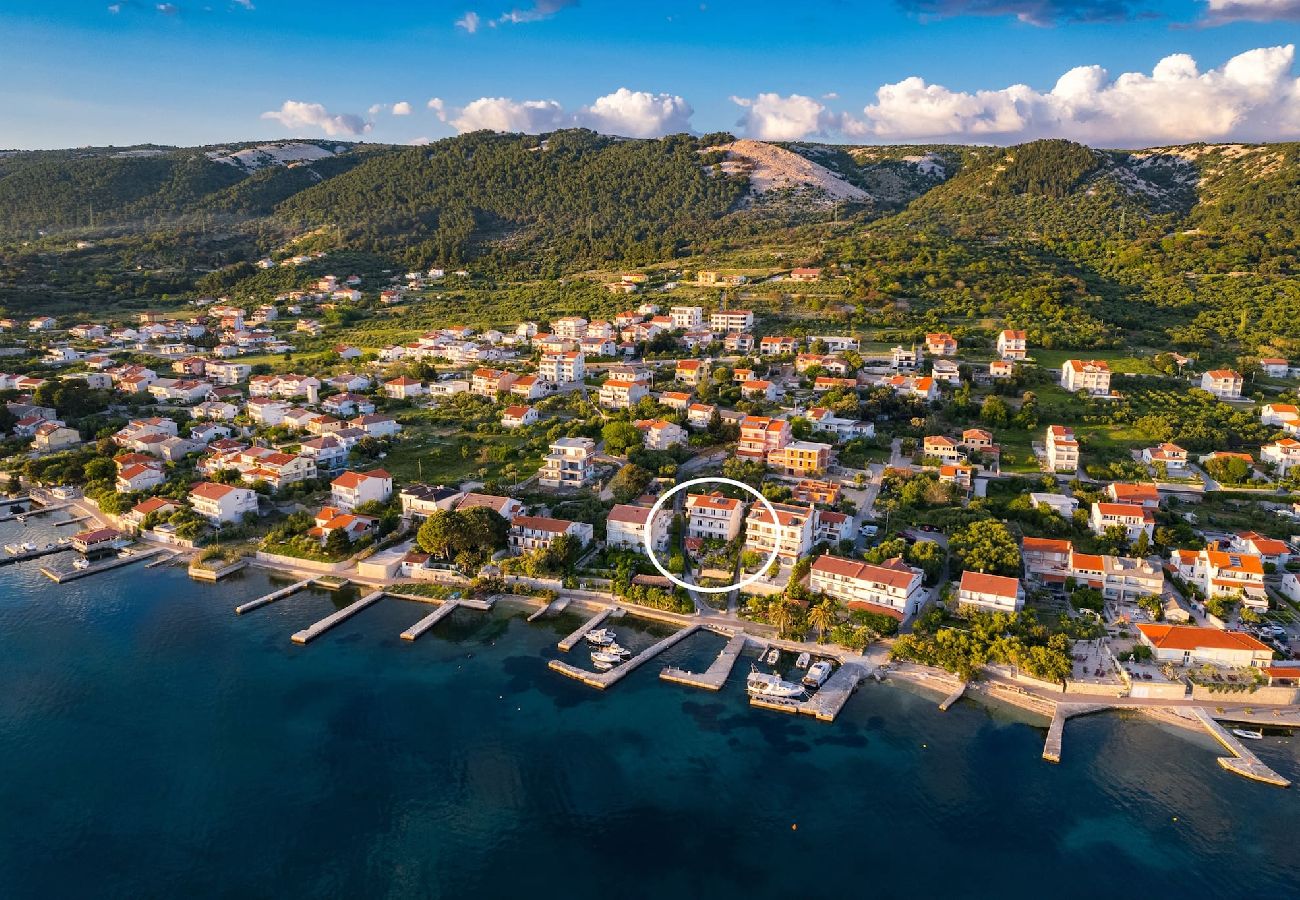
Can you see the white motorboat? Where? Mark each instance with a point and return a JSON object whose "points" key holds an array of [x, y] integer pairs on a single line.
{"points": [[81, 563], [772, 687], [772, 656], [28, 547], [600, 637], [616, 650], [817, 673], [602, 666], [600, 656], [803, 660], [1249, 734]]}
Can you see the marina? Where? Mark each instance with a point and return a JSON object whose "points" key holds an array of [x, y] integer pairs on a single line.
{"points": [[572, 640], [314, 631], [825, 705], [604, 680], [713, 678], [34, 553], [1243, 762], [59, 576]]}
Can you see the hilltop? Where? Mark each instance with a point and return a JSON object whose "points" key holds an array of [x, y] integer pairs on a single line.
{"points": [[1085, 246]]}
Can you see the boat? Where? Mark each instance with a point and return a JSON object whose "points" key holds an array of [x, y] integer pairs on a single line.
{"points": [[600, 637], [772, 687], [602, 666], [609, 659], [803, 660], [81, 563], [818, 673], [616, 650], [772, 656], [1249, 734]]}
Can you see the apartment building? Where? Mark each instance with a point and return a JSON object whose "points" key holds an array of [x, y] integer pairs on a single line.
{"points": [[568, 464], [563, 368], [351, 489], [1090, 376], [713, 516], [1134, 518], [893, 587], [1011, 345], [539, 532], [731, 321], [1062, 449], [626, 528], [760, 435], [996, 593], [791, 532], [800, 458], [1222, 383]]}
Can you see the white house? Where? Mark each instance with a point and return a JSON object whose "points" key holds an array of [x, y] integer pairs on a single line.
{"points": [[1134, 518], [351, 489], [713, 516], [893, 588], [1091, 376], [661, 434], [1062, 449], [1011, 345], [1222, 383], [992, 592], [539, 532], [220, 503], [568, 464], [626, 528], [518, 416]]}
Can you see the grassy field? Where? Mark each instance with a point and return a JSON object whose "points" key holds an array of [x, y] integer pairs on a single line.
{"points": [[1120, 361]]}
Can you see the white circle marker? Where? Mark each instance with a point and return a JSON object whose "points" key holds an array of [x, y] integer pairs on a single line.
{"points": [[726, 589]]}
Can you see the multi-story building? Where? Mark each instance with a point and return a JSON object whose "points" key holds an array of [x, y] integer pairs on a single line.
{"points": [[800, 458], [1062, 449], [1011, 344], [568, 464], [992, 592], [1217, 571], [351, 489], [942, 448], [692, 371], [1091, 376], [791, 532], [518, 416], [563, 368], [570, 327], [626, 528], [219, 503], [760, 435], [1284, 454], [661, 434], [1222, 383], [732, 321], [490, 382], [1134, 518], [1189, 645], [893, 588], [686, 318], [539, 532], [622, 393], [940, 344], [775, 345], [713, 516], [698, 415]]}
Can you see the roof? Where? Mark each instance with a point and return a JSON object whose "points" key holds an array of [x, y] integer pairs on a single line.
{"points": [[711, 501], [898, 576], [998, 585], [352, 479], [517, 412], [1265, 546], [633, 515], [1044, 545], [211, 490], [153, 504], [541, 523], [1190, 637], [491, 501], [1223, 374], [1124, 511]]}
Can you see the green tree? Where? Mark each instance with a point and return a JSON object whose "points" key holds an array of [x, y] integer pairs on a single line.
{"points": [[621, 437], [629, 482], [986, 546]]}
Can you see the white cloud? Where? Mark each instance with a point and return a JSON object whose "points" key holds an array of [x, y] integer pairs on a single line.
{"points": [[420, 141], [624, 112], [295, 114], [246, 4], [504, 114], [772, 117], [1220, 11], [469, 22], [541, 9], [1253, 96], [167, 9], [637, 114], [401, 108]]}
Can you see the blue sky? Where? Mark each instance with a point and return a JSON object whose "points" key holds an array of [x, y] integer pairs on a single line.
{"points": [[84, 72]]}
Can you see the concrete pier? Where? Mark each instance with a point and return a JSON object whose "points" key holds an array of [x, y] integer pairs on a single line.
{"points": [[713, 678], [312, 632], [76, 521], [952, 698], [829, 699], [571, 641], [430, 620], [10, 559], [61, 575], [1056, 730], [603, 680], [273, 596], [1243, 762], [558, 605], [34, 511]]}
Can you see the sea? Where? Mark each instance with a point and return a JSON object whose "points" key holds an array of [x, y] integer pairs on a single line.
{"points": [[155, 744]]}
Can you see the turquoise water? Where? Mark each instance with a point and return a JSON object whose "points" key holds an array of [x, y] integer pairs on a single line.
{"points": [[154, 744]]}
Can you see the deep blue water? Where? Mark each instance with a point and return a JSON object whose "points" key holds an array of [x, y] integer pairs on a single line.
{"points": [[153, 744]]}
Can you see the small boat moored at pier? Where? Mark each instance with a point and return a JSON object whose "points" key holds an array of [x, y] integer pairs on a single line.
{"points": [[772, 687], [818, 673], [803, 660], [1249, 734]]}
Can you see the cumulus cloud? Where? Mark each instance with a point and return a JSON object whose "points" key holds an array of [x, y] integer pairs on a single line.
{"points": [[772, 117], [1218, 12], [401, 108], [504, 114], [1033, 12], [625, 112], [294, 114], [637, 114], [469, 22], [1253, 96]]}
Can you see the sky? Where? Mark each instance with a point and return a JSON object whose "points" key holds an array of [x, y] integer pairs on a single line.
{"points": [[1116, 73]]}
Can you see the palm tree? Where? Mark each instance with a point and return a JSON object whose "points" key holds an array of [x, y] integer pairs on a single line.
{"points": [[824, 617], [781, 615]]}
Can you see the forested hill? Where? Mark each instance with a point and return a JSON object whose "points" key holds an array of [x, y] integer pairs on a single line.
{"points": [[1193, 243]]}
